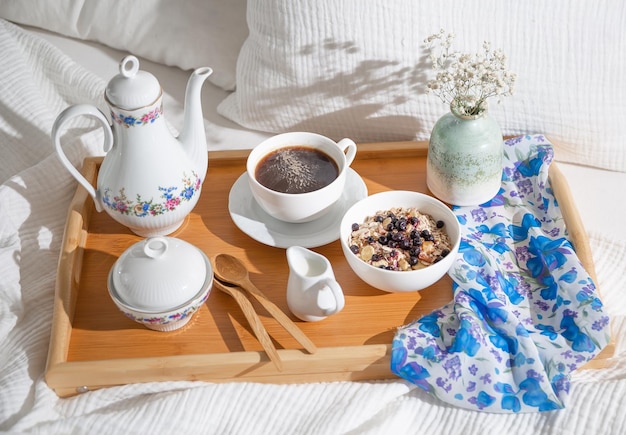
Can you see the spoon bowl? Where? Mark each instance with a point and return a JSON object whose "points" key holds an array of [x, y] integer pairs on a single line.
{"points": [[230, 269]]}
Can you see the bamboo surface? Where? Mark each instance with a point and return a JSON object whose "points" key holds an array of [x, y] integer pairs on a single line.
{"points": [[94, 345]]}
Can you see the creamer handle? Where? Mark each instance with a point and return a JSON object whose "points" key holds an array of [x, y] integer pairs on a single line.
{"points": [[337, 293], [65, 116]]}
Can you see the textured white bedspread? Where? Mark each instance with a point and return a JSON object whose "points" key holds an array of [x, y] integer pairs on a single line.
{"points": [[36, 82]]}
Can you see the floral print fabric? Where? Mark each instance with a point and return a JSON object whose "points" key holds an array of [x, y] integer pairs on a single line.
{"points": [[525, 313]]}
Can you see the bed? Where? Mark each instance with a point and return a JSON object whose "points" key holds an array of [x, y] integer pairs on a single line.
{"points": [[571, 60]]}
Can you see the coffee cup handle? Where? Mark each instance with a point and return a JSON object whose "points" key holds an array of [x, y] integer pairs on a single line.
{"points": [[349, 149]]}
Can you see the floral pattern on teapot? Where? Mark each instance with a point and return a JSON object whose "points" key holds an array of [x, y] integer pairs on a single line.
{"points": [[131, 121], [141, 208]]}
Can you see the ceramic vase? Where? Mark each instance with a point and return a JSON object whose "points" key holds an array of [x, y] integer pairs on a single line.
{"points": [[464, 164]]}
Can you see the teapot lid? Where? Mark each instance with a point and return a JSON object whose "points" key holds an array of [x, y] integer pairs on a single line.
{"points": [[132, 88]]}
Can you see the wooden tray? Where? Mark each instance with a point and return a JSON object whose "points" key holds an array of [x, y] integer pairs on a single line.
{"points": [[93, 345]]}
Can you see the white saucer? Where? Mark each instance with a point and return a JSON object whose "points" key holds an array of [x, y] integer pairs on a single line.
{"points": [[256, 223]]}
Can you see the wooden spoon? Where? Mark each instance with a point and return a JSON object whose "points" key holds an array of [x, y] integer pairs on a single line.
{"points": [[231, 270], [254, 321]]}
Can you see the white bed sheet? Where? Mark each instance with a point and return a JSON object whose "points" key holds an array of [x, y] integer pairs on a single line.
{"points": [[597, 400]]}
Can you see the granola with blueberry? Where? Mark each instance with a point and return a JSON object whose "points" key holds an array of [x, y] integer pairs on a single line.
{"points": [[400, 239]]}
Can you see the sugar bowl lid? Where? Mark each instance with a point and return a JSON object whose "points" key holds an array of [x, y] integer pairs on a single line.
{"points": [[159, 274], [132, 88]]}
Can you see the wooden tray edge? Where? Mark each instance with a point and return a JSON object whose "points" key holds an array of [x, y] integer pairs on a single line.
{"points": [[341, 363], [580, 240], [69, 268], [366, 151]]}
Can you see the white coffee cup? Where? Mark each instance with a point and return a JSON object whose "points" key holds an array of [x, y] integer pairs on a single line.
{"points": [[300, 207]]}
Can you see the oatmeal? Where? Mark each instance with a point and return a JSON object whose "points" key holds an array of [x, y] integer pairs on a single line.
{"points": [[400, 239]]}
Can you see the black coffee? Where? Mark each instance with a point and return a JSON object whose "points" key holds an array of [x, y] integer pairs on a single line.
{"points": [[296, 169]]}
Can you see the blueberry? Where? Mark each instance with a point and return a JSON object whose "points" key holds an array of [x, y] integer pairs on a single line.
{"points": [[401, 224], [376, 257], [413, 260], [393, 254], [405, 244], [383, 240], [355, 227], [440, 224], [379, 218], [354, 249], [445, 252]]}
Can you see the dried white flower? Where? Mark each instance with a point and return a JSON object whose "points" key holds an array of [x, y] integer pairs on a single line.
{"points": [[466, 80]]}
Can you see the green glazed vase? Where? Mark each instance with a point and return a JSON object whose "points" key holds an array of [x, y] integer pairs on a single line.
{"points": [[464, 164]]}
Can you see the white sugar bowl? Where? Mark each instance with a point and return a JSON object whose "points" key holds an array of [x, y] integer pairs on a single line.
{"points": [[161, 282]]}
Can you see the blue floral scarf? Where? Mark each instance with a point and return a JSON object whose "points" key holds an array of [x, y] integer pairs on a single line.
{"points": [[525, 313]]}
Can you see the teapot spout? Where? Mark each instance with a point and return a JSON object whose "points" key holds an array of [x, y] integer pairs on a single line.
{"points": [[193, 136]]}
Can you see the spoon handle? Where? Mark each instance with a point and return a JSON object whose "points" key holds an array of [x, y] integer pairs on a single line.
{"points": [[280, 316], [254, 321]]}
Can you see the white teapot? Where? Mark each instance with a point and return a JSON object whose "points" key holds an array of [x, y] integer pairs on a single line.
{"points": [[149, 180]]}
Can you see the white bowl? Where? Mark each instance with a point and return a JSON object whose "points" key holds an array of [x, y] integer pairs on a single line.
{"points": [[161, 282], [400, 281]]}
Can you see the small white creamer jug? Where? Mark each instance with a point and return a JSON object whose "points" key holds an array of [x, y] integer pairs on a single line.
{"points": [[313, 293]]}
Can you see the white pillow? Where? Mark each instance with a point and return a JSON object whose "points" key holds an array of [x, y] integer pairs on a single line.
{"points": [[187, 34], [357, 68]]}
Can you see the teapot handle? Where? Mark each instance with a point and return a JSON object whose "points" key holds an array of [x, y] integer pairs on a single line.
{"points": [[65, 116]]}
